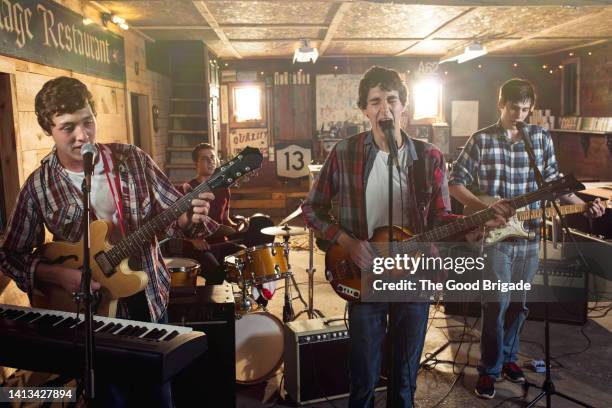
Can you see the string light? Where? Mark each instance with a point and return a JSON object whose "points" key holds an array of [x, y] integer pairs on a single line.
{"points": [[479, 65], [445, 72], [571, 54], [335, 67], [515, 65], [226, 64], [261, 72], [544, 66], [550, 72], [560, 66], [590, 53]]}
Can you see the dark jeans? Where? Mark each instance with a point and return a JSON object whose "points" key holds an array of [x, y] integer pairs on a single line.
{"points": [[133, 394], [368, 327], [504, 313]]}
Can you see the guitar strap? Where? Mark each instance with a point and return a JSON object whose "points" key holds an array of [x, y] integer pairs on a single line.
{"points": [[115, 188]]}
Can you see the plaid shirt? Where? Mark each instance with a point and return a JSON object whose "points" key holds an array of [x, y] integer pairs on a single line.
{"points": [[499, 167], [344, 176], [49, 199]]}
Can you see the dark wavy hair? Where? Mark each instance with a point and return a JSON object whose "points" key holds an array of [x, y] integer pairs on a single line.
{"points": [[58, 96], [387, 79], [516, 90]]}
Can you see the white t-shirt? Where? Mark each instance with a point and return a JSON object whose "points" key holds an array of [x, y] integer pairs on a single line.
{"points": [[377, 192], [101, 198]]}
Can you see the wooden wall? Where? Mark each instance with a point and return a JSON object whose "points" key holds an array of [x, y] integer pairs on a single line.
{"points": [[111, 99]]}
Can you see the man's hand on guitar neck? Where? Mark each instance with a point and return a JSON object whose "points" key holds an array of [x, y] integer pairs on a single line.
{"points": [[199, 210], [68, 278], [361, 252]]}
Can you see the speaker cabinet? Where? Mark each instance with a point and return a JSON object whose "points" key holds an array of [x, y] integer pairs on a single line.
{"points": [[212, 376], [317, 360]]}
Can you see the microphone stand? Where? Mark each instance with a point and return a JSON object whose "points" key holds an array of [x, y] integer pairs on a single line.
{"points": [[88, 374], [548, 386], [393, 160]]}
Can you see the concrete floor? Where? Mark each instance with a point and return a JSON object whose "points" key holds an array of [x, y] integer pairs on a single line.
{"points": [[586, 376]]}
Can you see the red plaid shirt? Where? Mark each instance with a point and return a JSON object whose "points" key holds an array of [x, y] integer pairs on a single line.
{"points": [[344, 176], [49, 199]]}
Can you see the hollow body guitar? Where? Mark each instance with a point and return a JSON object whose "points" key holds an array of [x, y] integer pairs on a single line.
{"points": [[515, 227], [345, 276], [109, 264]]}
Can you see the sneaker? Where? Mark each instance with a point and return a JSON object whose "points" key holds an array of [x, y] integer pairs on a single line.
{"points": [[485, 387], [513, 373]]}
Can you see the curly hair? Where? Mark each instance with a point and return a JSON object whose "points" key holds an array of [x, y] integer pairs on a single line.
{"points": [[387, 79], [58, 96]]}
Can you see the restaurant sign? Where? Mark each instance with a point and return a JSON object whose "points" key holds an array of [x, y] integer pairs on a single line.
{"points": [[48, 33]]}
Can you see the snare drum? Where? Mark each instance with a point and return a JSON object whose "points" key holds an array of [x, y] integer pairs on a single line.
{"points": [[183, 272], [259, 347], [256, 265]]}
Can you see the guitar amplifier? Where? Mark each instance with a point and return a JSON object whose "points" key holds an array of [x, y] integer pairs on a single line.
{"points": [[212, 376], [317, 360]]}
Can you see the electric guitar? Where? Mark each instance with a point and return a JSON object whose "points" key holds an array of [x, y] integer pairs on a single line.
{"points": [[515, 225], [109, 264], [345, 276]]}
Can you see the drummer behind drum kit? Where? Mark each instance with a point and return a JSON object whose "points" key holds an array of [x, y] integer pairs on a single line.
{"points": [[259, 334]]}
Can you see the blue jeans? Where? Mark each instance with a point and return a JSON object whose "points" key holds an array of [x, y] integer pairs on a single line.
{"points": [[503, 314], [368, 329]]}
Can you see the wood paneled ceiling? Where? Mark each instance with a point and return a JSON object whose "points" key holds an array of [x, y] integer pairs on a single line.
{"points": [[273, 28]]}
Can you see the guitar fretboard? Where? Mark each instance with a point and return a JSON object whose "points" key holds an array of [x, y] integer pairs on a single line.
{"points": [[564, 209]]}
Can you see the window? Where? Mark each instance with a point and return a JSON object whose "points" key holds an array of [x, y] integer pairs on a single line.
{"points": [[248, 105], [427, 96]]}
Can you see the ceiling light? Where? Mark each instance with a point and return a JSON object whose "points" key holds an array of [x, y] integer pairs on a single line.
{"points": [[305, 53], [470, 52], [124, 26], [87, 21]]}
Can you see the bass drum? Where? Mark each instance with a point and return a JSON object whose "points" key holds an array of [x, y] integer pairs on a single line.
{"points": [[259, 347]]}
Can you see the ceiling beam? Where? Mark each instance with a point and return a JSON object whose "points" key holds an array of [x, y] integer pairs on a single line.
{"points": [[212, 22], [173, 28], [440, 27], [333, 26], [284, 26], [575, 47], [544, 32]]}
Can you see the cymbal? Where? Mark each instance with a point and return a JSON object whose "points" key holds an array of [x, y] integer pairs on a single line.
{"points": [[284, 231], [223, 231]]}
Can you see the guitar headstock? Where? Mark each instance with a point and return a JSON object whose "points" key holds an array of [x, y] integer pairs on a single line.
{"points": [[245, 162]]}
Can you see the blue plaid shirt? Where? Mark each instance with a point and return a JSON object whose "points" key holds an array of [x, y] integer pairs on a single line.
{"points": [[495, 165]]}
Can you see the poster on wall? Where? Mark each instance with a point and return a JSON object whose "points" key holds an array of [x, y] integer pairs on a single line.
{"points": [[464, 116], [336, 101], [48, 33], [241, 138]]}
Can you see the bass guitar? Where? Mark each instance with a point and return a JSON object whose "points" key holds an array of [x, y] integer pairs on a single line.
{"points": [[515, 227], [109, 263], [345, 276]]}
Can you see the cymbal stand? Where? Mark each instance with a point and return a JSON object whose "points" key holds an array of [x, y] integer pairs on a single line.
{"points": [[288, 313], [311, 311]]}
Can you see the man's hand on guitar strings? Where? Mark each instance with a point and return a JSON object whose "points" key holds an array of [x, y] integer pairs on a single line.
{"points": [[503, 211], [200, 207], [361, 252]]}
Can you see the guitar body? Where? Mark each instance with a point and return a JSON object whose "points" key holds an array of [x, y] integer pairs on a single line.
{"points": [[123, 282], [343, 275]]}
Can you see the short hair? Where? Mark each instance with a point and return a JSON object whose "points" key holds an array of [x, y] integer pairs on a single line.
{"points": [[387, 79], [58, 96], [516, 90], [196, 150]]}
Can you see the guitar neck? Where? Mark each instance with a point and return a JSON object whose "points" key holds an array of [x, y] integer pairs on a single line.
{"points": [[475, 220], [145, 234], [527, 215]]}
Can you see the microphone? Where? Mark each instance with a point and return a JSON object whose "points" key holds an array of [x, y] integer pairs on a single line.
{"points": [[521, 126], [388, 128], [88, 151]]}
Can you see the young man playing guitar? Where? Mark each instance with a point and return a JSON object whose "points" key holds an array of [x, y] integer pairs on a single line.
{"points": [[127, 189], [495, 159], [356, 173]]}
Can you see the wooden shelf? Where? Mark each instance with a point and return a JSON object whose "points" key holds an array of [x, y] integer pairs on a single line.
{"points": [[593, 132]]}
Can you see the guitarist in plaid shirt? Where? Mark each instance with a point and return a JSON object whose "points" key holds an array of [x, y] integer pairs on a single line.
{"points": [[51, 197], [355, 173], [495, 161]]}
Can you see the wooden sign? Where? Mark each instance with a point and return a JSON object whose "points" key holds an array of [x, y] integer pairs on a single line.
{"points": [[48, 33], [292, 159], [241, 138]]}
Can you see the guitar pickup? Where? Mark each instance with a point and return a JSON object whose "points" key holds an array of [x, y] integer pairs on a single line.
{"points": [[104, 264], [346, 290]]}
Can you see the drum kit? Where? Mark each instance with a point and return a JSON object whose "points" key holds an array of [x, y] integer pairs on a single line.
{"points": [[259, 334]]}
